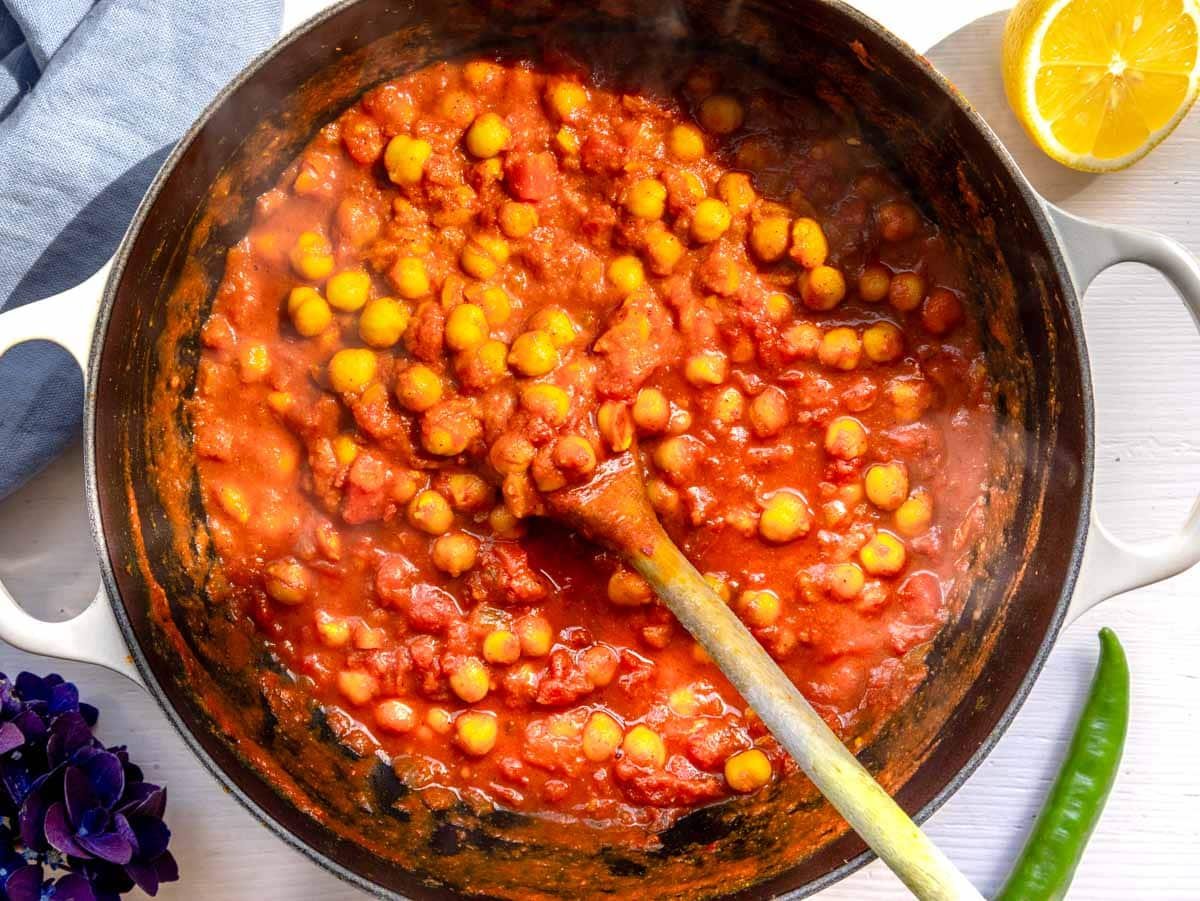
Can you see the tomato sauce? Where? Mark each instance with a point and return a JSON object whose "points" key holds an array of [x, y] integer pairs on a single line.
{"points": [[484, 279]]}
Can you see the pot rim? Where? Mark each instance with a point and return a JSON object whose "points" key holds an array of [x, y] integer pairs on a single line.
{"points": [[1046, 233]]}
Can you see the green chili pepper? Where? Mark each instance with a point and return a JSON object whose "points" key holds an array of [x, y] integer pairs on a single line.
{"points": [[1044, 870]]}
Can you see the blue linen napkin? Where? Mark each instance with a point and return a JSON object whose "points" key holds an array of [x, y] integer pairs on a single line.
{"points": [[92, 96]]}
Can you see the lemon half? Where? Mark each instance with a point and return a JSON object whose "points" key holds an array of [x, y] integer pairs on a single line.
{"points": [[1099, 83]]}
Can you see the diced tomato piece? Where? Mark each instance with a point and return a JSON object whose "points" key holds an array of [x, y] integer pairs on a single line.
{"points": [[533, 176]]}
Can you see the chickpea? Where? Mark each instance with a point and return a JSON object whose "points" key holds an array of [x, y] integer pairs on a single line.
{"points": [[549, 403], [601, 737], [311, 316], [785, 517], [822, 288], [644, 747], [651, 410], [405, 485], [626, 274], [941, 312], [599, 663], [710, 220], [410, 278], [778, 308], [418, 388], [906, 291], [234, 503], [721, 114], [518, 219], [476, 731], [405, 159], [496, 305], [647, 199], [438, 719], [566, 99], [729, 406], [395, 716], [802, 340], [840, 349], [466, 327], [769, 413], [502, 647], [914, 515], [430, 512], [663, 251], [845, 438], [299, 295], [874, 283], [685, 143], [482, 73], [737, 190], [556, 323], [334, 632], [883, 342], [575, 457], [535, 633], [769, 238], [357, 687], [533, 353], [883, 555], [288, 582], [467, 491], [748, 771], [458, 107], [886, 485], [383, 322], [347, 291], [470, 680], [810, 248], [898, 220], [483, 366], [483, 256], [455, 553], [511, 453], [345, 449], [663, 498], [628, 589], [616, 425], [503, 524], [676, 457], [846, 580], [487, 136], [707, 368], [351, 370], [312, 256], [447, 430], [909, 399], [759, 609]]}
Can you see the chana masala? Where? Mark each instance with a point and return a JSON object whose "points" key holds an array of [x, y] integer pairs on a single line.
{"points": [[486, 278]]}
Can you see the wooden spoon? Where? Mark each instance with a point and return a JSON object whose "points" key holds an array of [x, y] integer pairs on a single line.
{"points": [[612, 509]]}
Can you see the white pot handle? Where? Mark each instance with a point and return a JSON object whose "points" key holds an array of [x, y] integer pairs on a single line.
{"points": [[67, 319], [1112, 566]]}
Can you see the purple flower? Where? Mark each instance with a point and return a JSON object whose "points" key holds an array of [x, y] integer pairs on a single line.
{"points": [[76, 804]]}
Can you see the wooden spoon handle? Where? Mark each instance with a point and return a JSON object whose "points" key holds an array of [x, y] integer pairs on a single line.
{"points": [[836, 772]]}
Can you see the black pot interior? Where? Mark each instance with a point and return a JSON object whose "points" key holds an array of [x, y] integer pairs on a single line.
{"points": [[362, 822]]}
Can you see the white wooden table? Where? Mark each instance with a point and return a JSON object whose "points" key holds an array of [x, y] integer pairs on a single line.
{"points": [[1146, 358]]}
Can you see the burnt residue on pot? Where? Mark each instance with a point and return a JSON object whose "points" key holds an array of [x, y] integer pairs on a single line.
{"points": [[334, 795]]}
